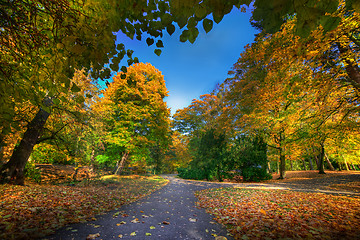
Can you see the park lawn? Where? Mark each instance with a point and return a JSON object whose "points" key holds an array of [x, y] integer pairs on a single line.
{"points": [[33, 211], [278, 214]]}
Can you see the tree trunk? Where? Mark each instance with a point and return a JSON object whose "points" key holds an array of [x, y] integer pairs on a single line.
{"points": [[321, 160], [282, 164], [353, 166], [329, 163], [311, 164], [304, 164], [291, 165], [351, 67], [346, 166], [121, 165], [13, 170], [316, 158]]}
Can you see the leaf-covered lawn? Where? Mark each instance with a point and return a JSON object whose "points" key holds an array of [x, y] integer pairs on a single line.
{"points": [[276, 214], [36, 210]]}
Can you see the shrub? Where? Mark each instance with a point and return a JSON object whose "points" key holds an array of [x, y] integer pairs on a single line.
{"points": [[190, 173], [47, 153], [32, 172]]}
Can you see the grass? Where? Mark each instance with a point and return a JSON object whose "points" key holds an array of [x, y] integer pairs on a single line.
{"points": [[33, 211]]}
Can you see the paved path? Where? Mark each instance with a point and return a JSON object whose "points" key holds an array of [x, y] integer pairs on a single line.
{"points": [[171, 212]]}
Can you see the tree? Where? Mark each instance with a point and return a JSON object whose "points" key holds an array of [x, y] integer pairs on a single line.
{"points": [[135, 114]]}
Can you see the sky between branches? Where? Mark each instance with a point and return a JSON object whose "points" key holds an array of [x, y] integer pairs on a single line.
{"points": [[194, 69]]}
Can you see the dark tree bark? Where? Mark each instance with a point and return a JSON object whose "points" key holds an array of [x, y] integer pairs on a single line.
{"points": [[13, 171], [282, 164], [321, 159], [304, 164], [352, 69]]}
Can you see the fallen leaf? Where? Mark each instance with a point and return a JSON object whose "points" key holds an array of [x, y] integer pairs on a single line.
{"points": [[133, 234], [92, 236], [135, 220], [165, 222], [192, 220]]}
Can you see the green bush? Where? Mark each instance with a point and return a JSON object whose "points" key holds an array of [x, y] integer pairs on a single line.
{"points": [[255, 174], [249, 155], [104, 161], [189, 173], [32, 173], [50, 154]]}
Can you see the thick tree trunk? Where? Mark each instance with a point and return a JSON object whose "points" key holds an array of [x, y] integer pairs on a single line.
{"points": [[282, 164], [121, 165], [13, 170], [321, 160]]}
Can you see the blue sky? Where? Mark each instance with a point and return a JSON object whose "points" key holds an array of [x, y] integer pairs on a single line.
{"points": [[194, 69]]}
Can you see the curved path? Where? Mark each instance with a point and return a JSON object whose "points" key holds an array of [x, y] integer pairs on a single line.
{"points": [[171, 212]]}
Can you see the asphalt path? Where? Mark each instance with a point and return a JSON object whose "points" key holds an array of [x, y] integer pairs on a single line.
{"points": [[171, 212]]}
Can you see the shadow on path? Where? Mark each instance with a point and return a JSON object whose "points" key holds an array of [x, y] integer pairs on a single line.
{"points": [[170, 213]]}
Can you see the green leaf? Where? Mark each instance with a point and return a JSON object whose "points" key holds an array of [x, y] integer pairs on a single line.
{"points": [[149, 41], [192, 23], [78, 49], [200, 11], [208, 25], [56, 101], [194, 32], [129, 53], [75, 88], [80, 99], [159, 44], [124, 69], [157, 52], [329, 23], [170, 29], [184, 36], [120, 47]]}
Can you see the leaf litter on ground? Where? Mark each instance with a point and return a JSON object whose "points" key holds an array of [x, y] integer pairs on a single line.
{"points": [[276, 214], [34, 211]]}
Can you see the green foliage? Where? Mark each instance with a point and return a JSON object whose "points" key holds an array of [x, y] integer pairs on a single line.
{"points": [[104, 161], [209, 156], [192, 173], [50, 154], [32, 172], [249, 155]]}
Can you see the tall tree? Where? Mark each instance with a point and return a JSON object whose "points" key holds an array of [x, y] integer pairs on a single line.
{"points": [[136, 116]]}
